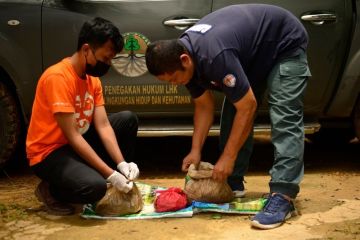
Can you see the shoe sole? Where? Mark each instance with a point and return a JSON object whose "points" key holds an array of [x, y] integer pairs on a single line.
{"points": [[257, 224], [239, 194]]}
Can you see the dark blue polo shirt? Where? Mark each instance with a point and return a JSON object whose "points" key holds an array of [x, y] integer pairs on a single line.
{"points": [[237, 46]]}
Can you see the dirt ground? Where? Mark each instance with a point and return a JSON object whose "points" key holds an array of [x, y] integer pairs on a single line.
{"points": [[329, 207]]}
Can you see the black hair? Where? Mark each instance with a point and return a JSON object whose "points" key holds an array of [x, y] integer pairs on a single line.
{"points": [[163, 56], [98, 31]]}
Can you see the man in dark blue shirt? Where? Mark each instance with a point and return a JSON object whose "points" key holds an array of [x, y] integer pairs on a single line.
{"points": [[240, 50]]}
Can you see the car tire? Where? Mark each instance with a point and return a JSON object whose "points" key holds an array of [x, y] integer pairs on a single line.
{"points": [[10, 125]]}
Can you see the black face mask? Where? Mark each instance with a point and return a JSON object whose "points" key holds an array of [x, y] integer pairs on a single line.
{"points": [[99, 70]]}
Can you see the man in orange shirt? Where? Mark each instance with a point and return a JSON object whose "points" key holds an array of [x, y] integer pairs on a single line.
{"points": [[71, 144]]}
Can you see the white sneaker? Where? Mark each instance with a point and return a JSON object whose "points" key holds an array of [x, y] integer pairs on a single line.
{"points": [[239, 193]]}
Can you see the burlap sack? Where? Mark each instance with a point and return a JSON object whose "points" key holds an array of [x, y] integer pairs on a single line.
{"points": [[118, 203], [201, 187]]}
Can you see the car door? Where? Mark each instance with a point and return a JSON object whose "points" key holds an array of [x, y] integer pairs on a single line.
{"points": [[128, 85], [329, 24]]}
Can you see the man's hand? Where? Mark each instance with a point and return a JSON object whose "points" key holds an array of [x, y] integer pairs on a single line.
{"points": [[130, 170], [223, 169], [192, 157], [120, 182]]}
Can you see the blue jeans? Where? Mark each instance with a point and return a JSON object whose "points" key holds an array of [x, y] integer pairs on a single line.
{"points": [[286, 84], [70, 178]]}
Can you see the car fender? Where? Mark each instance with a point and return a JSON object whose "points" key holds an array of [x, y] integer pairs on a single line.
{"points": [[20, 81]]}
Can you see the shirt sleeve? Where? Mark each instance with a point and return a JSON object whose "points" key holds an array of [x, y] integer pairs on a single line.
{"points": [[194, 89], [227, 71], [98, 93], [58, 94]]}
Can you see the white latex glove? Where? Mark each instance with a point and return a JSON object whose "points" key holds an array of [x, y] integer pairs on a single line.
{"points": [[130, 170], [120, 182]]}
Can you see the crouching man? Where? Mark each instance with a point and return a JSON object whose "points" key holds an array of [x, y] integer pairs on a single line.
{"points": [[71, 144]]}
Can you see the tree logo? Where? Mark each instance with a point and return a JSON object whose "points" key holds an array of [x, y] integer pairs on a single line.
{"points": [[130, 61]]}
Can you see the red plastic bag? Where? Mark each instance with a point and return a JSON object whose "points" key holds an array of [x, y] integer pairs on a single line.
{"points": [[170, 200]]}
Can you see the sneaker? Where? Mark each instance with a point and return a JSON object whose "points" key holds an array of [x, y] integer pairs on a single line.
{"points": [[52, 205], [237, 187], [240, 192], [274, 213]]}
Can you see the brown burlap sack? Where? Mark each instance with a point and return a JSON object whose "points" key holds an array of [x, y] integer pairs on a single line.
{"points": [[201, 187], [119, 203]]}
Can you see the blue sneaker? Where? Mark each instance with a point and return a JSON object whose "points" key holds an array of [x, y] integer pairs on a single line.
{"points": [[274, 213]]}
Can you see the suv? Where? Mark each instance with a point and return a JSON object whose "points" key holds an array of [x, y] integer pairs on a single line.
{"points": [[35, 34]]}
